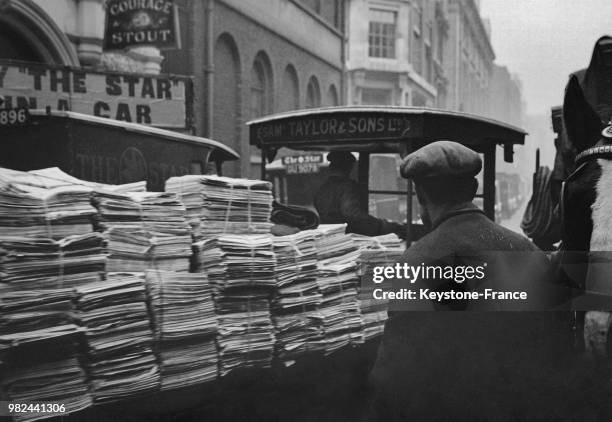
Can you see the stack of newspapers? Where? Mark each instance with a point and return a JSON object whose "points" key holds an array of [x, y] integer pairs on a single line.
{"points": [[331, 241], [241, 269], [374, 311], [145, 230], [339, 315], [40, 263], [119, 356], [185, 327], [296, 297], [380, 243], [224, 205], [36, 206], [39, 350]]}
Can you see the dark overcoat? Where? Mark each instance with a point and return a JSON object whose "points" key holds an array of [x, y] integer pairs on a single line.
{"points": [[469, 363]]}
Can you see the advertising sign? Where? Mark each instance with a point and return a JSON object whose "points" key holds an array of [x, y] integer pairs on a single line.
{"points": [[301, 164], [132, 23], [333, 127], [152, 100]]}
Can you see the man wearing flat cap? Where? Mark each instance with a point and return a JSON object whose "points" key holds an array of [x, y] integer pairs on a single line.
{"points": [[464, 365], [338, 201]]}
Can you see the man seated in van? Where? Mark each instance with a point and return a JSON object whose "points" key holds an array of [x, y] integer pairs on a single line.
{"points": [[338, 201]]}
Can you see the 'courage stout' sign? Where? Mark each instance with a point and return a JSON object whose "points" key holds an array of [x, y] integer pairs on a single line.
{"points": [[150, 100], [141, 22]]}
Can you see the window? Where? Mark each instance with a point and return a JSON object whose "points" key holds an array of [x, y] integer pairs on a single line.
{"points": [[417, 39], [260, 87], [440, 47], [337, 14], [381, 38], [290, 95], [428, 56], [258, 83], [313, 93]]}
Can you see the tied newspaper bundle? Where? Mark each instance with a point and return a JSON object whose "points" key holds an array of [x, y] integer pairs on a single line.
{"points": [[185, 327], [119, 359], [39, 263], [375, 251], [145, 230], [339, 315], [33, 205], [296, 297], [32, 321], [217, 204], [241, 269]]}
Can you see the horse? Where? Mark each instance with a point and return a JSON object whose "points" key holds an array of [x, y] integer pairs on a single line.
{"points": [[586, 196]]}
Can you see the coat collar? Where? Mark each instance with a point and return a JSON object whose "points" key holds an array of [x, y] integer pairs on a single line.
{"points": [[455, 210]]}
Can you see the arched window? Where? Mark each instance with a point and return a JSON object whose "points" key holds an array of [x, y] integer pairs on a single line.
{"points": [[289, 98], [313, 93], [332, 96], [28, 33], [260, 87]]}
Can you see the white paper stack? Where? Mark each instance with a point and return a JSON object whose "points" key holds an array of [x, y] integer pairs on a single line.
{"points": [[374, 311], [296, 296], [34, 321], [145, 230], [338, 281], [39, 263], [32, 205], [119, 357], [185, 327], [241, 269], [383, 242], [246, 334], [225, 205], [331, 240]]}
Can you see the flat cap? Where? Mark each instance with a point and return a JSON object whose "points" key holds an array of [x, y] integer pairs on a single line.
{"points": [[441, 159]]}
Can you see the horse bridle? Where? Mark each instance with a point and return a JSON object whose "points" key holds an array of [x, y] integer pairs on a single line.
{"points": [[594, 153]]}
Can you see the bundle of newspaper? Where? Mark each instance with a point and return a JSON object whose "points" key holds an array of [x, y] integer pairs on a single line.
{"points": [[48, 203], [385, 241], [246, 334], [31, 205], [332, 240], [296, 296], [338, 316], [374, 311], [39, 263], [31, 321], [217, 204], [241, 269], [185, 327], [145, 230], [119, 358]]}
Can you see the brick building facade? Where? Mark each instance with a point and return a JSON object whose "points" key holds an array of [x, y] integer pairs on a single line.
{"points": [[251, 58]]}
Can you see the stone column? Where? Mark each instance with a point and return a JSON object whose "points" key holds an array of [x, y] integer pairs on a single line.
{"points": [[90, 27]]}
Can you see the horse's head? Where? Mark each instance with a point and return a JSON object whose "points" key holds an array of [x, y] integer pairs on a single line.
{"points": [[582, 128], [587, 107], [586, 199]]}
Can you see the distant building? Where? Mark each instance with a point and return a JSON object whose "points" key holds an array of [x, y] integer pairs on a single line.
{"points": [[468, 58], [506, 103], [251, 58], [395, 52]]}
